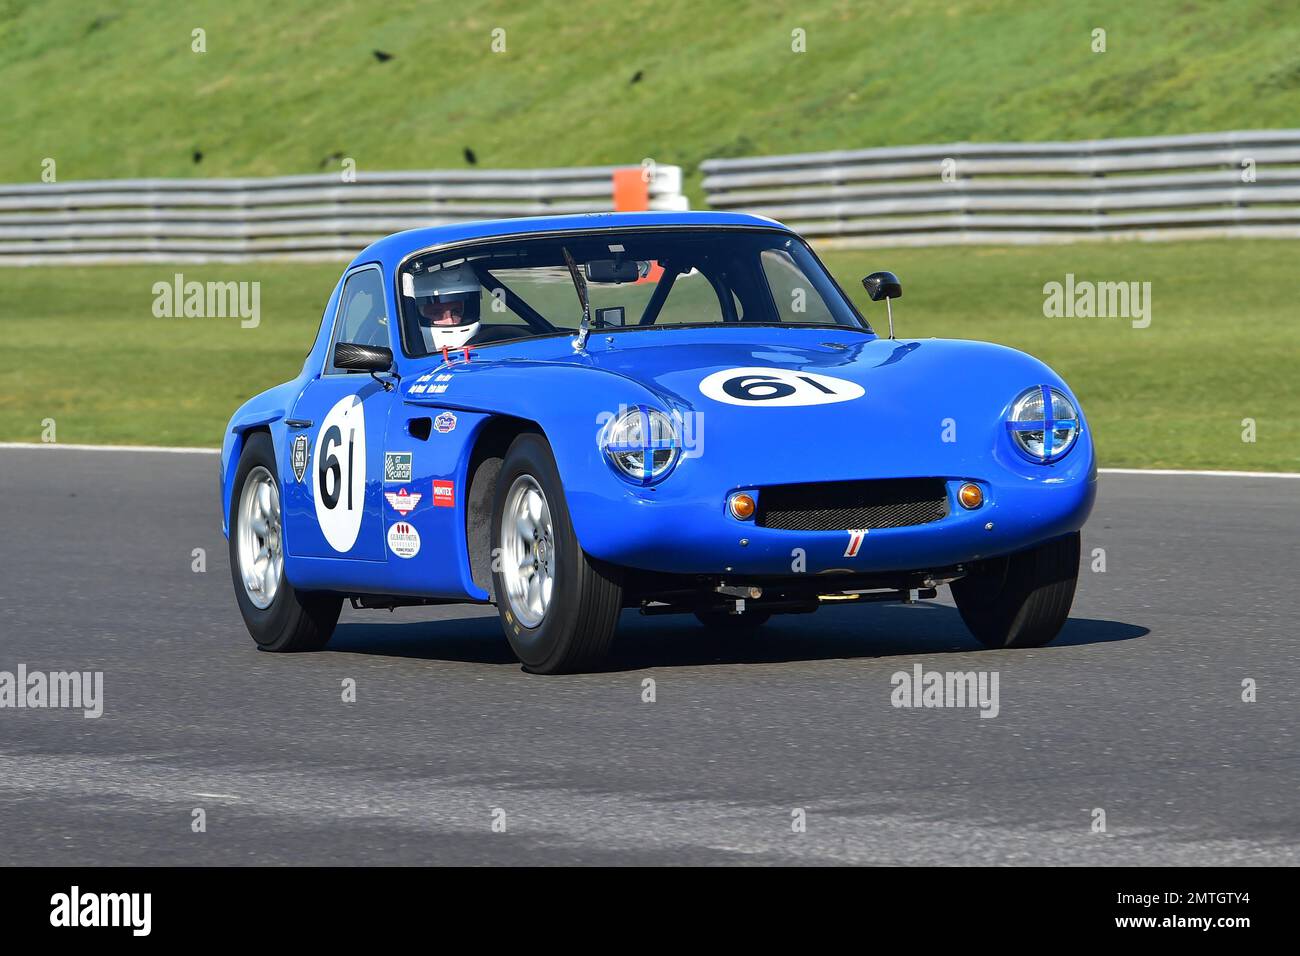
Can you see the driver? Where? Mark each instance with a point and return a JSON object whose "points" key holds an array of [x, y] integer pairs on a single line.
{"points": [[447, 306]]}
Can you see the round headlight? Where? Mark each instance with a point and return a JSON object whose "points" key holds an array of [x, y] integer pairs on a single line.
{"points": [[642, 444], [1044, 424]]}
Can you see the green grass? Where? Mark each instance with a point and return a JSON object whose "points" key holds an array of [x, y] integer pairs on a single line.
{"points": [[111, 90], [1173, 394], [85, 349]]}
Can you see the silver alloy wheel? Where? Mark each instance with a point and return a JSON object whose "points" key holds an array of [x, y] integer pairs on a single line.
{"points": [[261, 558], [527, 551]]}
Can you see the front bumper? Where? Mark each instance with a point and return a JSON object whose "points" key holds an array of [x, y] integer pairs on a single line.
{"points": [[694, 534]]}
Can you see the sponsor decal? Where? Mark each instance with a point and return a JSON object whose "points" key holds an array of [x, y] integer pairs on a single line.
{"points": [[339, 480], [778, 387], [403, 501], [397, 466], [445, 422], [299, 457], [404, 540], [855, 543], [444, 494]]}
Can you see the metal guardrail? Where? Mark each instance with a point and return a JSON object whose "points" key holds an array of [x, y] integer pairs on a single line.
{"points": [[1244, 183], [318, 217]]}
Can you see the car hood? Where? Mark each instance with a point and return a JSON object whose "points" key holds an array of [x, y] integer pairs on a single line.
{"points": [[926, 406], [918, 407]]}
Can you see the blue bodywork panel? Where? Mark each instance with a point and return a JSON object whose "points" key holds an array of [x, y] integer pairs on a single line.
{"points": [[927, 408]]}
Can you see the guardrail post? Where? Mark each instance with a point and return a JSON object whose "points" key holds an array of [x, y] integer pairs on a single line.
{"points": [[631, 190]]}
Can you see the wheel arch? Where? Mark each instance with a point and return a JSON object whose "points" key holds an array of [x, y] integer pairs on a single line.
{"points": [[240, 438], [486, 456]]}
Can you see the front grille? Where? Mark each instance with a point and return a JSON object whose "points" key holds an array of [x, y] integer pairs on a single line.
{"points": [[852, 505]]}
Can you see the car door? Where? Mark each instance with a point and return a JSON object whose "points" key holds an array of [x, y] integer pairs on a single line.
{"points": [[337, 428]]}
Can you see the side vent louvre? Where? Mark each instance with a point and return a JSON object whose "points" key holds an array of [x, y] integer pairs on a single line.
{"points": [[419, 428]]}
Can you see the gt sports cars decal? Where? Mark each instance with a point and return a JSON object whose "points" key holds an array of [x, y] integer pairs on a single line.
{"points": [[397, 466], [778, 387], [339, 485]]}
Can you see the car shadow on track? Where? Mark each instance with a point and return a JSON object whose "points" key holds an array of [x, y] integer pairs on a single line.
{"points": [[679, 641]]}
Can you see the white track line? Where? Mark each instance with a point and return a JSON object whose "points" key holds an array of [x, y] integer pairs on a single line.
{"points": [[216, 451], [153, 448], [1206, 474]]}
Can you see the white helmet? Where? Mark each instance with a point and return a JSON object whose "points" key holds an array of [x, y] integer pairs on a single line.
{"points": [[447, 305]]}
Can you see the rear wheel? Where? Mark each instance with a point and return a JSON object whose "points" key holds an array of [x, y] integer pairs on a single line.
{"points": [[559, 607], [1022, 600], [278, 617]]}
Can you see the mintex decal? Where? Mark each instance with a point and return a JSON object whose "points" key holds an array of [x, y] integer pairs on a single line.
{"points": [[403, 501], [445, 422], [404, 540], [397, 466], [855, 543], [299, 457], [444, 494]]}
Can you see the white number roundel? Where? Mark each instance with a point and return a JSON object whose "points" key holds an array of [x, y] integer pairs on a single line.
{"points": [[778, 387], [339, 473]]}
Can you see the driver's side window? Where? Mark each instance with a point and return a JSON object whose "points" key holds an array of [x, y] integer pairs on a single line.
{"points": [[362, 318]]}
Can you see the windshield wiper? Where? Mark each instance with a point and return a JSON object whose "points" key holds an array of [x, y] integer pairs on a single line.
{"points": [[579, 283]]}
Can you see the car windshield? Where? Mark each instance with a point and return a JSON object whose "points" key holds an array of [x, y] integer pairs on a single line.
{"points": [[525, 287]]}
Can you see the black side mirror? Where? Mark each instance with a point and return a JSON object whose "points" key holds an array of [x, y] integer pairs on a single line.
{"points": [[883, 285], [362, 358]]}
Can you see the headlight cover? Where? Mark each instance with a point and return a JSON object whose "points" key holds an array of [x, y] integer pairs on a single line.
{"points": [[642, 444], [1044, 424]]}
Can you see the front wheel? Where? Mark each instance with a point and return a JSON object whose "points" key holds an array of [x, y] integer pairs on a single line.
{"points": [[1023, 599], [559, 608], [278, 617]]}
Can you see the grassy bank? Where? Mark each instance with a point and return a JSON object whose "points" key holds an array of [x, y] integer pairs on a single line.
{"points": [[295, 88]]}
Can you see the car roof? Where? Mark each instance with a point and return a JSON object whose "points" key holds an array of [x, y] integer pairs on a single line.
{"points": [[392, 249]]}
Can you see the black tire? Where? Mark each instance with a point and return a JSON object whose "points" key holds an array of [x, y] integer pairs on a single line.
{"points": [[293, 621], [1022, 600], [733, 625], [577, 626]]}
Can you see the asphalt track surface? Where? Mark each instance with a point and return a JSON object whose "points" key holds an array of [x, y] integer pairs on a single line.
{"points": [[1137, 709]]}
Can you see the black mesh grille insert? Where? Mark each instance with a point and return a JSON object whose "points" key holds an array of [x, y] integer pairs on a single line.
{"points": [[852, 505]]}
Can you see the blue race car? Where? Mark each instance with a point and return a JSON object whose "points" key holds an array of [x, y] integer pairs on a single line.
{"points": [[677, 412]]}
